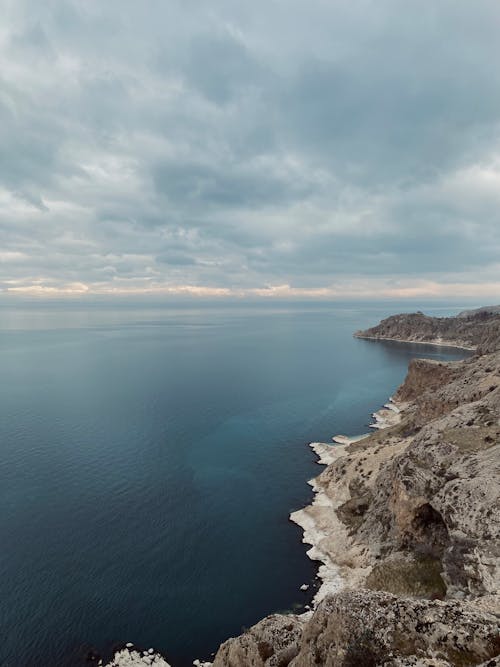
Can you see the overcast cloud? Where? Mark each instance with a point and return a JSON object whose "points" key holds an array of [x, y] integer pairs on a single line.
{"points": [[276, 147]]}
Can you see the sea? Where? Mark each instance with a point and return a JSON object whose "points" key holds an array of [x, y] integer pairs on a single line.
{"points": [[150, 456]]}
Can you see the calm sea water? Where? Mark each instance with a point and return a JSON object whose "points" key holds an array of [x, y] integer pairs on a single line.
{"points": [[149, 460]]}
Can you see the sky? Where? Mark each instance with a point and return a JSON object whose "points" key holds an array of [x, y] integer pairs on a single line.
{"points": [[274, 148]]}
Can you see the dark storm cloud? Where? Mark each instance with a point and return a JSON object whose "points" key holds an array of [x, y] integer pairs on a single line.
{"points": [[241, 145]]}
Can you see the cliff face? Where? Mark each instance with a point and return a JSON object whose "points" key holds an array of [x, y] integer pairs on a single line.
{"points": [[477, 330], [439, 499], [405, 523]]}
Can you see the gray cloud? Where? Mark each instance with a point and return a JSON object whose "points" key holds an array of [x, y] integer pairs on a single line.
{"points": [[237, 146]]}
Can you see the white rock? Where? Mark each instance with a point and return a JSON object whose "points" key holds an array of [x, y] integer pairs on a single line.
{"points": [[304, 587], [132, 658]]}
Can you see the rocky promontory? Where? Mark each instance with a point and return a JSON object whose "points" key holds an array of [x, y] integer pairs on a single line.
{"points": [[473, 329], [405, 523]]}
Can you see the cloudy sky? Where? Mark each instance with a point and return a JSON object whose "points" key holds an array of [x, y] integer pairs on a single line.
{"points": [[315, 148]]}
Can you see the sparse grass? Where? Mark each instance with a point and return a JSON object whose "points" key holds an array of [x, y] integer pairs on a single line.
{"points": [[381, 437], [472, 439], [416, 577]]}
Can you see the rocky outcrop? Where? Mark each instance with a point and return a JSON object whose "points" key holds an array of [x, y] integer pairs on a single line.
{"points": [[490, 310], [479, 330], [133, 657], [276, 641], [433, 389], [365, 629], [426, 375]]}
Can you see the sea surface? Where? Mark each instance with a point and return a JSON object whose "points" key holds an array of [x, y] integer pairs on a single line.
{"points": [[150, 457]]}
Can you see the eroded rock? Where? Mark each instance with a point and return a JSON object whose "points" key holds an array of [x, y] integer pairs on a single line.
{"points": [[365, 629]]}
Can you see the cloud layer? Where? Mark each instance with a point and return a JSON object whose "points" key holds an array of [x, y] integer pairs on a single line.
{"points": [[286, 148]]}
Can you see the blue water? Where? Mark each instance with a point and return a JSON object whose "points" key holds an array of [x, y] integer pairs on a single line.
{"points": [[150, 458]]}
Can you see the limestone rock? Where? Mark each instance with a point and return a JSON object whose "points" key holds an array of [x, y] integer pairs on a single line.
{"points": [[273, 642], [365, 629], [129, 657]]}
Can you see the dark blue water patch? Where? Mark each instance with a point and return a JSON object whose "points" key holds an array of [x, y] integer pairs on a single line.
{"points": [[149, 462]]}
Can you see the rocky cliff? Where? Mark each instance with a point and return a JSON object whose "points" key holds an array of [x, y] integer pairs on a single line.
{"points": [[367, 629], [405, 523], [477, 329]]}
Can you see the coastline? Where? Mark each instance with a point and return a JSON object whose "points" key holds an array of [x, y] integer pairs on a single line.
{"points": [[401, 525], [436, 342], [318, 522], [321, 530], [324, 532]]}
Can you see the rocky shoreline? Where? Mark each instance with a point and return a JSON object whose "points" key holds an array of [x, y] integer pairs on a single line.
{"points": [[461, 345], [405, 522], [320, 521]]}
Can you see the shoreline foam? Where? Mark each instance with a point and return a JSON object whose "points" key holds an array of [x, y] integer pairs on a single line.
{"points": [[310, 518], [388, 415], [319, 520]]}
